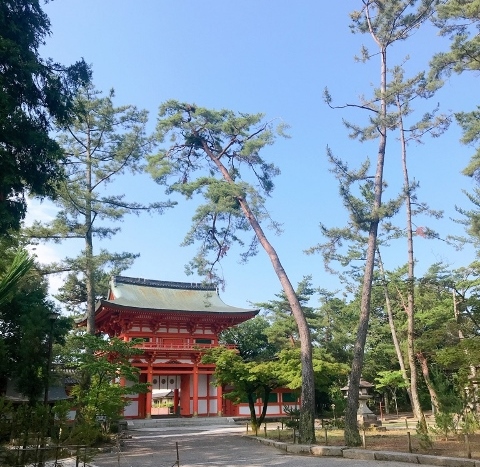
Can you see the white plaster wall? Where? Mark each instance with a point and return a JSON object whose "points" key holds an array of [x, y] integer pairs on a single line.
{"points": [[171, 381], [202, 406], [273, 410], [213, 407], [131, 410], [202, 385], [243, 411], [212, 390]]}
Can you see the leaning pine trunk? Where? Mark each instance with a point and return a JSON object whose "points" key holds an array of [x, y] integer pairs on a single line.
{"points": [[426, 376], [307, 408]]}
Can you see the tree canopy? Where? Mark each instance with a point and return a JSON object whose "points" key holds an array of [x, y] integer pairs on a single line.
{"points": [[34, 93]]}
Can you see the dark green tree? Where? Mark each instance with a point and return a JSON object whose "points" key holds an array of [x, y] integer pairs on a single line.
{"points": [[250, 340], [209, 153], [459, 20], [283, 330], [34, 93], [25, 329], [337, 327]]}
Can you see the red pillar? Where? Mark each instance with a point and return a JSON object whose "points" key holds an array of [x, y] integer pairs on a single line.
{"points": [[148, 401], [176, 400], [195, 389], [219, 401], [185, 395]]}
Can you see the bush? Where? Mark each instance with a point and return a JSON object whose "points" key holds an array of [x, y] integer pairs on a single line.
{"points": [[469, 423], [293, 420], [445, 423]]}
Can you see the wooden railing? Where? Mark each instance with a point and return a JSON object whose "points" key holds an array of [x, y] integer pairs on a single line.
{"points": [[183, 346]]}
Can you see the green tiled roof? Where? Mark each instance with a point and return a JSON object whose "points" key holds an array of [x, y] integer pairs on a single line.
{"points": [[172, 296]]}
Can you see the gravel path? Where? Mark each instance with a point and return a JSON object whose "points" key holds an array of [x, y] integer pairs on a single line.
{"points": [[212, 446]]}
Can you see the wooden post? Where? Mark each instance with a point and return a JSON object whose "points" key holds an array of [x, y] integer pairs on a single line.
{"points": [[278, 432], [364, 439], [406, 423], [326, 436], [178, 457], [247, 428], [467, 447], [265, 429], [409, 442]]}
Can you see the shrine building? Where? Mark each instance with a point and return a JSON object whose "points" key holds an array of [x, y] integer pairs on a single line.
{"points": [[176, 322]]}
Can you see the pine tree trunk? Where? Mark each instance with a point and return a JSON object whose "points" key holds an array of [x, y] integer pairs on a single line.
{"points": [[410, 309], [393, 331], [352, 435], [307, 408], [426, 376], [89, 243]]}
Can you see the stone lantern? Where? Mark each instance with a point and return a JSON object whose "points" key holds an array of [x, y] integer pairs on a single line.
{"points": [[365, 416]]}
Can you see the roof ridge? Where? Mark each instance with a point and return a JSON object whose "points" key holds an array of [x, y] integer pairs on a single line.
{"points": [[165, 284]]}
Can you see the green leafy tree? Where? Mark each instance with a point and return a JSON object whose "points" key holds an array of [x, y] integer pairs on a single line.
{"points": [[328, 372], [34, 92], [104, 362], [101, 143], [249, 380], [391, 380], [208, 154]]}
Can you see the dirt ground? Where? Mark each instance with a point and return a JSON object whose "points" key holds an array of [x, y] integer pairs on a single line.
{"points": [[394, 437]]}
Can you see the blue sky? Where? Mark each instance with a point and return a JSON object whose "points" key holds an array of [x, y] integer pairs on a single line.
{"points": [[270, 57]]}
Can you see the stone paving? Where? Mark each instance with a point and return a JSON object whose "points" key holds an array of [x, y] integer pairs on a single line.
{"points": [[206, 442]]}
